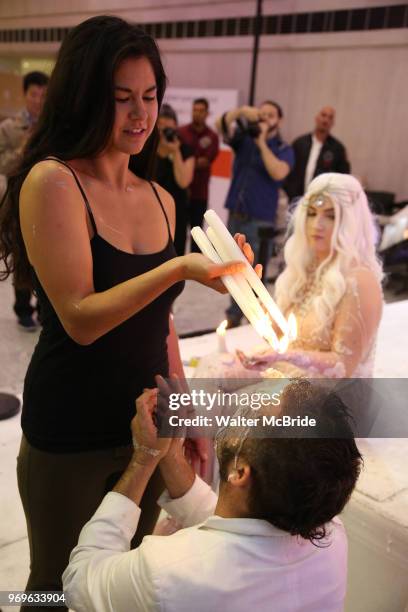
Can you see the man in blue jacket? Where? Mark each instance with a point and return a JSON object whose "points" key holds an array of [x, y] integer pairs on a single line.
{"points": [[262, 161]]}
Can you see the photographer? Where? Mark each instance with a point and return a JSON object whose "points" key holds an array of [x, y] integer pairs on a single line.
{"points": [[262, 161], [174, 171]]}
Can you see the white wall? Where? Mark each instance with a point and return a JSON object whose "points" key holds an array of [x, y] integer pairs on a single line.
{"points": [[42, 13], [362, 74]]}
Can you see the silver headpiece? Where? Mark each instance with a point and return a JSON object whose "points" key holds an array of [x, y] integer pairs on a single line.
{"points": [[345, 197]]}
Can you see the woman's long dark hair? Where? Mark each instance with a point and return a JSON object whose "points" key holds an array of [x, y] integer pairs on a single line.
{"points": [[78, 116]]}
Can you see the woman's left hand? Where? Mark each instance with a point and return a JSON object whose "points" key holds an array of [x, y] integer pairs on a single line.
{"points": [[246, 248]]}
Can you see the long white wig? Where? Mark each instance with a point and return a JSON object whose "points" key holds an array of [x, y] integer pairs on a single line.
{"points": [[352, 245]]}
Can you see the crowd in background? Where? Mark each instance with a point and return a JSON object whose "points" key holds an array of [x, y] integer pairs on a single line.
{"points": [[109, 338], [267, 174]]}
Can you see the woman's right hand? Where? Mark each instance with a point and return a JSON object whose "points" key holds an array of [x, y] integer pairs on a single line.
{"points": [[201, 269]]}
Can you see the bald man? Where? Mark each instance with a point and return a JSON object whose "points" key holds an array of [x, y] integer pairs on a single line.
{"points": [[316, 153]]}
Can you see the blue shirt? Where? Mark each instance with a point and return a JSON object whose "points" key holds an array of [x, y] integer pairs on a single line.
{"points": [[253, 191]]}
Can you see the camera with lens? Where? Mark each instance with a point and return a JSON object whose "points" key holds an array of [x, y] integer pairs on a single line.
{"points": [[170, 134], [249, 127]]}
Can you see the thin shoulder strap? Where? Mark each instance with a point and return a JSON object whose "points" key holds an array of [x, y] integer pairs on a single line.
{"points": [[162, 207], [88, 207]]}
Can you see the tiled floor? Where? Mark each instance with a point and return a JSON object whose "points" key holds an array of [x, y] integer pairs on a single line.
{"points": [[198, 308]]}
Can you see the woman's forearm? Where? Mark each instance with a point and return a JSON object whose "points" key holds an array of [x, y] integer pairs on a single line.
{"points": [[324, 363], [98, 313]]}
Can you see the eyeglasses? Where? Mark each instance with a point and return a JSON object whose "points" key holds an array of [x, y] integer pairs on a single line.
{"points": [[222, 433]]}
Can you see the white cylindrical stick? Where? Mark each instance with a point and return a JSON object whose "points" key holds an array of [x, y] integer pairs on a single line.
{"points": [[229, 281], [262, 325], [239, 278], [259, 324], [235, 252], [205, 245], [208, 250]]}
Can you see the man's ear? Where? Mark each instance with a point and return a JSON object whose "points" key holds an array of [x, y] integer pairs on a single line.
{"points": [[239, 477]]}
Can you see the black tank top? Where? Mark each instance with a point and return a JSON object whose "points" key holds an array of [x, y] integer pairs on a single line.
{"points": [[80, 398]]}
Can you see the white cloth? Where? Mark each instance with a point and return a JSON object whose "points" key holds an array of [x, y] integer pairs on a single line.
{"points": [[221, 564], [312, 161], [394, 232]]}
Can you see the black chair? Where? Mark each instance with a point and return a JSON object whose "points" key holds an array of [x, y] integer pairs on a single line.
{"points": [[399, 205], [381, 202], [395, 265], [266, 236]]}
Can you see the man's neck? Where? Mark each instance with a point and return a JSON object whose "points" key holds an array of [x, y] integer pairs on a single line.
{"points": [[231, 506], [199, 127], [321, 135], [272, 134]]}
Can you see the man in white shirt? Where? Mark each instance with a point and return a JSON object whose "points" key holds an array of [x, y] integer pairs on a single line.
{"points": [[270, 541], [315, 154]]}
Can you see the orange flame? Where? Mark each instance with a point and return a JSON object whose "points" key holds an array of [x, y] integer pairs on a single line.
{"points": [[221, 329]]}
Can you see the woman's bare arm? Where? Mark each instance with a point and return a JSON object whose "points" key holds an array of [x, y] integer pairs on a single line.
{"points": [[54, 227]]}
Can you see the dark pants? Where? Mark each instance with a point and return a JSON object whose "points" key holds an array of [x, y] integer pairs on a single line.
{"points": [[250, 229], [60, 492], [197, 209], [22, 304]]}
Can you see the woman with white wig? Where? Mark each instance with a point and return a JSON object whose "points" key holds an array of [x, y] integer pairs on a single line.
{"points": [[332, 283]]}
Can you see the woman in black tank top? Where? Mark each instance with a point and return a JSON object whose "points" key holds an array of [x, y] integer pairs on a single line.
{"points": [[95, 240]]}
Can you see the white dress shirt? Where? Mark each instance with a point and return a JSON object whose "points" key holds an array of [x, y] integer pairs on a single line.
{"points": [[234, 565], [312, 160]]}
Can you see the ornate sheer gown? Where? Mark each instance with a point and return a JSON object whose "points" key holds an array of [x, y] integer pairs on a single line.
{"points": [[345, 345]]}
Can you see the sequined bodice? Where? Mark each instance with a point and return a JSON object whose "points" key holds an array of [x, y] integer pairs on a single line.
{"points": [[337, 335]]}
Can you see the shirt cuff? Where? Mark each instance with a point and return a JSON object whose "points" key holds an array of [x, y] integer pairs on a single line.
{"points": [[193, 507], [116, 511]]}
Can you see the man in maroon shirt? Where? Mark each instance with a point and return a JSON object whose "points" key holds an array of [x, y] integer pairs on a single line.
{"points": [[204, 142]]}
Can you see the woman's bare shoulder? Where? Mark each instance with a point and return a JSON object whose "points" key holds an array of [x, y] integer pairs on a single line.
{"points": [[50, 190], [48, 175], [362, 278]]}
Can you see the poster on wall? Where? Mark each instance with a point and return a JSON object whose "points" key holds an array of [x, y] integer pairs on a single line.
{"points": [[220, 100], [181, 99]]}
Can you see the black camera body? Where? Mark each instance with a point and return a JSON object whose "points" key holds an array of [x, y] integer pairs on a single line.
{"points": [[170, 134], [251, 128]]}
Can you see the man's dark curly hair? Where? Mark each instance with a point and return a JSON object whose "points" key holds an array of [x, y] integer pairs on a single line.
{"points": [[299, 484]]}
